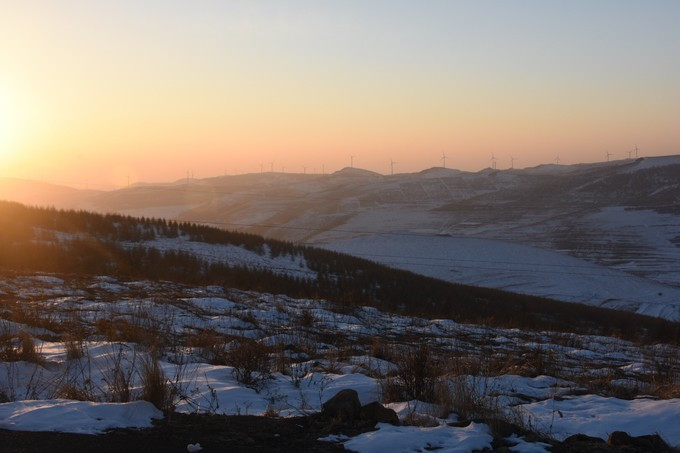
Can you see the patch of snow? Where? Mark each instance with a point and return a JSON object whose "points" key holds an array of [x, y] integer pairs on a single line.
{"points": [[82, 417], [403, 439], [522, 446], [598, 416]]}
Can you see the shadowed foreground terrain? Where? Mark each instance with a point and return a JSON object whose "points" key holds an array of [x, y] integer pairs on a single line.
{"points": [[245, 434]]}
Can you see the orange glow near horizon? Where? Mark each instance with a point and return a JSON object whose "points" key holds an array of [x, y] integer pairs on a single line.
{"points": [[91, 94]]}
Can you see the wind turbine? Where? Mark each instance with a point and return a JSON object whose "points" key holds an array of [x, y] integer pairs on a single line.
{"points": [[636, 151], [607, 155], [557, 159], [392, 166], [493, 161], [443, 159], [351, 161], [512, 162]]}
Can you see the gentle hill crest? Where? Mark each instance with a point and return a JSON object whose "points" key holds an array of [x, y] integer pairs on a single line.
{"points": [[73, 242], [622, 215]]}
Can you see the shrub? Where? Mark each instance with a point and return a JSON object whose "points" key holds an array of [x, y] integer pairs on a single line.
{"points": [[417, 376], [28, 352], [270, 412], [211, 345], [251, 362], [155, 387], [306, 319], [380, 349], [119, 373], [71, 392], [74, 347]]}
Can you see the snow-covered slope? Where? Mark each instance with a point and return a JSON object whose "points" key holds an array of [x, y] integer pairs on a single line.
{"points": [[534, 375], [623, 216], [517, 268]]}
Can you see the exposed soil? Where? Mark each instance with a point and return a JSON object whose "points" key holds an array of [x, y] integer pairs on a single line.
{"points": [[215, 433]]}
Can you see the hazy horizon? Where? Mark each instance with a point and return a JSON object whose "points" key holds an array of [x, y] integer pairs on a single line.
{"points": [[97, 94]]}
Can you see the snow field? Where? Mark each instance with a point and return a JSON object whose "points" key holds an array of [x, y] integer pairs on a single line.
{"points": [[331, 353]]}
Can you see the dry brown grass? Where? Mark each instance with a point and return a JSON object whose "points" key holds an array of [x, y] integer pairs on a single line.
{"points": [[27, 351], [71, 392], [417, 376], [156, 389], [75, 348], [251, 362]]}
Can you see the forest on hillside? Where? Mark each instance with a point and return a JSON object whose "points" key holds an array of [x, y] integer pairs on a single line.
{"points": [[80, 242]]}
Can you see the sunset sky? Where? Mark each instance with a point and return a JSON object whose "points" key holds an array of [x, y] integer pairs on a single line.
{"points": [[93, 92]]}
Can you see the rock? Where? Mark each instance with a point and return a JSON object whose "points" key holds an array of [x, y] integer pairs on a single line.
{"points": [[619, 438], [377, 413], [584, 439], [652, 442], [648, 443], [344, 405], [580, 443]]}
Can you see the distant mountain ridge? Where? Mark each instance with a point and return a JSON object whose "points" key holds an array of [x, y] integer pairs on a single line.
{"points": [[624, 215]]}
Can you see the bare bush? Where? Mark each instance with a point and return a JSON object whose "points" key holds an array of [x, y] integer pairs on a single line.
{"points": [[119, 375], [250, 361], [210, 345], [270, 412], [156, 389], [380, 349], [72, 392], [306, 319], [417, 376], [74, 347], [27, 351]]}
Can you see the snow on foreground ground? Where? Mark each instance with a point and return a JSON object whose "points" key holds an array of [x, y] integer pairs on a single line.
{"points": [[518, 268], [322, 349], [441, 438], [81, 417], [598, 416]]}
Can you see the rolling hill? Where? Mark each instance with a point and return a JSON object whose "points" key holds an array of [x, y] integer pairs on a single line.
{"points": [[604, 223]]}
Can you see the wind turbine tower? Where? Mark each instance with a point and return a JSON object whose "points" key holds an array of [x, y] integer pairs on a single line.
{"points": [[608, 155], [392, 166], [443, 159]]}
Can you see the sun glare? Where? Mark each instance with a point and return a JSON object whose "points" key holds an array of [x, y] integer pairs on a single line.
{"points": [[5, 126], [11, 119]]}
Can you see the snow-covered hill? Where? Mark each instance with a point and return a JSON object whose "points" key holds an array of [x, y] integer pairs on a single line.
{"points": [[623, 216], [517, 268]]}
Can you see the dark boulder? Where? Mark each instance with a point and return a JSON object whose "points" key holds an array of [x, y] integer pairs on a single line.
{"points": [[648, 443], [377, 413], [584, 439], [344, 406]]}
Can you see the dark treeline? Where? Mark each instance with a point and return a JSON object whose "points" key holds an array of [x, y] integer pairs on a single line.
{"points": [[79, 242]]}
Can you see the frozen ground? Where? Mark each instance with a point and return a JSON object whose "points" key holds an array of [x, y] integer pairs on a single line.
{"points": [[561, 384], [517, 268]]}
